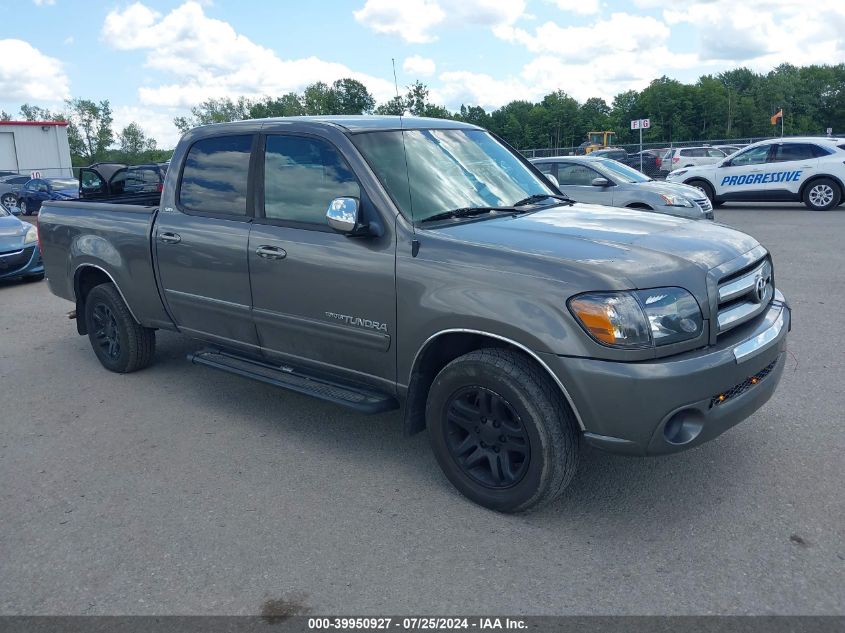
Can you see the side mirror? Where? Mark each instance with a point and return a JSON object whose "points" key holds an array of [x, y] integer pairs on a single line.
{"points": [[600, 182], [552, 179], [342, 216]]}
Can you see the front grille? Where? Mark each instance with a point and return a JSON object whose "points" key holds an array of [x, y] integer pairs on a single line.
{"points": [[742, 387], [744, 295], [704, 203], [15, 259]]}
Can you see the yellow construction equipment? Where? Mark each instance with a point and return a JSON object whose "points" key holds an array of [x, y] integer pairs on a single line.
{"points": [[599, 140]]}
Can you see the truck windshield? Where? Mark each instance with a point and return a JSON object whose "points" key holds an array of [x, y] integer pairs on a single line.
{"points": [[429, 172]]}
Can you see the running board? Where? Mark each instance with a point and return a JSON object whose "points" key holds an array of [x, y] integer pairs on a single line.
{"points": [[296, 379]]}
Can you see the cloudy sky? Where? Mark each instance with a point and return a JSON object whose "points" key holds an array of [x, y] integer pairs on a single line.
{"points": [[154, 59]]}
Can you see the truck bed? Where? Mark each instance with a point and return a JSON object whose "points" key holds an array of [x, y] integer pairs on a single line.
{"points": [[112, 237]]}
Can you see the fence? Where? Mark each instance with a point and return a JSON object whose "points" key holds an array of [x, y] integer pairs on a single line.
{"points": [[632, 148], [45, 172]]}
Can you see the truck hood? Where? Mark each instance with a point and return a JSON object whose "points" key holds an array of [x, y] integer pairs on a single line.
{"points": [[12, 232], [642, 247]]}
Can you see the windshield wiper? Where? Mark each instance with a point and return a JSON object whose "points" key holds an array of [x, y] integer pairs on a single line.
{"points": [[464, 212], [539, 197]]}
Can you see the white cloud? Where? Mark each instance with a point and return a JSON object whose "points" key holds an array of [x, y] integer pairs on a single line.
{"points": [[419, 66], [42, 3], [622, 32], [764, 33], [68, 40], [414, 20], [208, 58], [410, 19], [27, 74], [582, 7]]}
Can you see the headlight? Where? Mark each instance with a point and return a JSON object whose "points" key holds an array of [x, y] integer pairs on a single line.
{"points": [[676, 173], [675, 201], [31, 236], [641, 318]]}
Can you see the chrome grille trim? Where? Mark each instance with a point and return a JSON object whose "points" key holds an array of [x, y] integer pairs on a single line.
{"points": [[704, 203], [738, 298]]}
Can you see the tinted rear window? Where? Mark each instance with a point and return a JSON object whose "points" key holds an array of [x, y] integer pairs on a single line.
{"points": [[214, 179]]}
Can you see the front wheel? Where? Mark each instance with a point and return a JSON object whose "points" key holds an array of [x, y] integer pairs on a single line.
{"points": [[120, 343], [822, 194], [9, 201], [22, 205], [501, 431]]}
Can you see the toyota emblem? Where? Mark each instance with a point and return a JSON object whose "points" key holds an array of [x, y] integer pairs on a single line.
{"points": [[760, 288]]}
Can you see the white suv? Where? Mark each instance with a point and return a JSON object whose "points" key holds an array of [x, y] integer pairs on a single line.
{"points": [[810, 169], [680, 157]]}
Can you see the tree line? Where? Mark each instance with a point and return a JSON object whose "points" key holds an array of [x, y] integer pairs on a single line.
{"points": [[734, 104]]}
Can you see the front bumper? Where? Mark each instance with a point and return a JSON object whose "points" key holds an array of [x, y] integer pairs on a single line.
{"points": [[21, 262], [669, 405]]}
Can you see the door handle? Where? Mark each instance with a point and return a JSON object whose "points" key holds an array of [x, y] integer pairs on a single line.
{"points": [[271, 252], [169, 238]]}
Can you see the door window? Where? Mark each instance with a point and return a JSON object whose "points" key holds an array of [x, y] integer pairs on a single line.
{"points": [[753, 156], [214, 179], [570, 174], [715, 153], [302, 176]]}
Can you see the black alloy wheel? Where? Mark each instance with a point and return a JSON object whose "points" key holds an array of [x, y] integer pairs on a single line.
{"points": [[486, 437], [106, 334]]}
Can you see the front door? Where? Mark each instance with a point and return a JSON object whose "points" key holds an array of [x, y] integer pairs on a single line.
{"points": [[576, 181], [319, 297], [741, 177], [201, 244]]}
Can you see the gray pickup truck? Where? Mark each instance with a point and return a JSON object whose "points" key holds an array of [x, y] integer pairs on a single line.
{"points": [[423, 265]]}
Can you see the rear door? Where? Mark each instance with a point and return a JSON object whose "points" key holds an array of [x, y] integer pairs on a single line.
{"points": [[201, 244], [791, 165], [576, 182], [319, 297]]}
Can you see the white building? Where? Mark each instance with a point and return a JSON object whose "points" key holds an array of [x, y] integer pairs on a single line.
{"points": [[35, 146]]}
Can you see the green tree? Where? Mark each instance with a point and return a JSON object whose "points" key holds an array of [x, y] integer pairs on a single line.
{"points": [[89, 128], [395, 107], [210, 111], [286, 105], [351, 97], [5, 116], [133, 141]]}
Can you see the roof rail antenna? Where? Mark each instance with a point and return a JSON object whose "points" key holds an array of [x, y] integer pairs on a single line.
{"points": [[396, 86]]}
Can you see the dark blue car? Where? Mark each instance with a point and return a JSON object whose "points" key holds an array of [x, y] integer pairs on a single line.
{"points": [[37, 190], [19, 252]]}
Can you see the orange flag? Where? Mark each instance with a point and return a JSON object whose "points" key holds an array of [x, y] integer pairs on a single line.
{"points": [[779, 115]]}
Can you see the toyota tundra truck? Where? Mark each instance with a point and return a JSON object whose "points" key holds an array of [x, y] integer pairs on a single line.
{"points": [[423, 265]]}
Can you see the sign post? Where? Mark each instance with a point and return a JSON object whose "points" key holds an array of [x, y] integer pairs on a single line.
{"points": [[641, 124]]}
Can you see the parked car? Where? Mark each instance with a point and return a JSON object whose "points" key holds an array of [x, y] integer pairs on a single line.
{"points": [[798, 169], [19, 252], [616, 153], [38, 190], [9, 188], [680, 157], [729, 149], [118, 182], [610, 183], [385, 263], [647, 162]]}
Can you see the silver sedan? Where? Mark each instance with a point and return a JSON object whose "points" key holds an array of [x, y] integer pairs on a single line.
{"points": [[608, 182]]}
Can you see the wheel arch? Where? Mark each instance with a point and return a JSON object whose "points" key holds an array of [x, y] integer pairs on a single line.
{"points": [[639, 205], [816, 177], [443, 347], [85, 278]]}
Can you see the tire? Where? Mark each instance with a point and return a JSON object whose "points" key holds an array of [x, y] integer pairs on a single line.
{"points": [[472, 401], [705, 187], [9, 201], [22, 205], [119, 342], [822, 194]]}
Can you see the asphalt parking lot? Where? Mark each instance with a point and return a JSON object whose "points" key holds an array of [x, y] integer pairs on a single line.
{"points": [[181, 490]]}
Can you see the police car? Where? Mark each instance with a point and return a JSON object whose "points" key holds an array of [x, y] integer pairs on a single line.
{"points": [[810, 169]]}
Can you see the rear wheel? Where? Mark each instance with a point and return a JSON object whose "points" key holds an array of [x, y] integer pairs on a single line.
{"points": [[120, 343], [501, 431], [822, 194], [9, 201]]}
